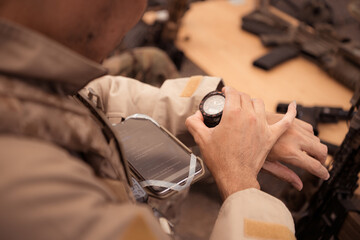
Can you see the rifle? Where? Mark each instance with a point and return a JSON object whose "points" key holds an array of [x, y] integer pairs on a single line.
{"points": [[319, 43], [331, 204], [316, 114]]}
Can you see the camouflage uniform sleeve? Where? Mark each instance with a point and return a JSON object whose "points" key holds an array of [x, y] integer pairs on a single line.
{"points": [[169, 105], [253, 214], [46, 193]]}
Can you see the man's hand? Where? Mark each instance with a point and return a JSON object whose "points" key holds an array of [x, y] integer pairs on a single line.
{"points": [[236, 149], [298, 146]]}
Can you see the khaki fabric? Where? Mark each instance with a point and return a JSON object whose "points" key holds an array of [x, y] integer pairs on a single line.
{"points": [[122, 97], [48, 194], [33, 56], [261, 229], [191, 86], [253, 214], [48, 143], [28, 111], [147, 64]]}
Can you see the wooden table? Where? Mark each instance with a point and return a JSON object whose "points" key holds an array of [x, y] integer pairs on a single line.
{"points": [[211, 37]]}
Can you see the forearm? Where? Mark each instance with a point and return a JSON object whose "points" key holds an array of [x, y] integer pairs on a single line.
{"points": [[169, 105]]}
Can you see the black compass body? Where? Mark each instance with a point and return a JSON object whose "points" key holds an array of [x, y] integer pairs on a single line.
{"points": [[211, 107]]}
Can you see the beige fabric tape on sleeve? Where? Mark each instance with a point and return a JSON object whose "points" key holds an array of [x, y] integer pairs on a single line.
{"points": [[138, 230], [264, 230], [191, 86]]}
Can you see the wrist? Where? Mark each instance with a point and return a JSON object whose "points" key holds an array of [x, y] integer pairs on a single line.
{"points": [[229, 184]]}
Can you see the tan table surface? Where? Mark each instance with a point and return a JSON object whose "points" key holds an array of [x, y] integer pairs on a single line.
{"points": [[211, 37]]}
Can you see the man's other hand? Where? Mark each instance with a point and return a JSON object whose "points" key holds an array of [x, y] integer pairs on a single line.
{"points": [[235, 150], [299, 147]]}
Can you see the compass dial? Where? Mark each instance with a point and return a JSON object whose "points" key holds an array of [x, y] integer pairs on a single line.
{"points": [[211, 107], [214, 104]]}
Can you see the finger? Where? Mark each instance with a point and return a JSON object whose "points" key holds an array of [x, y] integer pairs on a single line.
{"points": [[309, 134], [195, 125], [246, 102], [297, 122], [232, 100], [315, 149], [258, 105], [284, 173], [281, 126], [308, 163], [307, 126], [314, 166]]}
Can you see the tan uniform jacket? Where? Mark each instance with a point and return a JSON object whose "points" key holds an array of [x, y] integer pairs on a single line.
{"points": [[48, 191]]}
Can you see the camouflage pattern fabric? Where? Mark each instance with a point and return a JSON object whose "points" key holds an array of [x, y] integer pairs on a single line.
{"points": [[148, 64]]}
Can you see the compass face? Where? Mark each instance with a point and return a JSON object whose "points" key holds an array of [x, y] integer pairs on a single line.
{"points": [[214, 104]]}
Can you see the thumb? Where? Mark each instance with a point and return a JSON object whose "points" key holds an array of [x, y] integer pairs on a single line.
{"points": [[195, 125], [281, 126], [284, 173]]}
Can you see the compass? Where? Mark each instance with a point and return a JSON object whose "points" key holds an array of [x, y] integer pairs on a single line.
{"points": [[211, 107]]}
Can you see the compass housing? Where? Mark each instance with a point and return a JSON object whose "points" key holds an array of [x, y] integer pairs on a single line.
{"points": [[211, 107]]}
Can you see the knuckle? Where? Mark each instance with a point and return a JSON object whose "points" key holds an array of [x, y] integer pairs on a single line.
{"points": [[252, 118], [233, 111], [316, 166], [188, 121], [294, 133], [230, 92], [324, 151], [316, 139], [286, 149], [308, 126], [287, 123], [292, 152], [245, 96], [258, 101], [262, 102]]}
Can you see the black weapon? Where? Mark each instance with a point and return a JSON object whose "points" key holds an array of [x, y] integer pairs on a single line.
{"points": [[338, 56], [330, 205], [317, 114]]}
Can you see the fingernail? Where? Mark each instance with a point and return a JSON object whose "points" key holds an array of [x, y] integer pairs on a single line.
{"points": [[298, 186], [294, 102], [225, 89], [324, 173], [327, 175]]}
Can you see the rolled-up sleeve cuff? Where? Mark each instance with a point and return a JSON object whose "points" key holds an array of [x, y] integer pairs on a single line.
{"points": [[250, 214]]}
